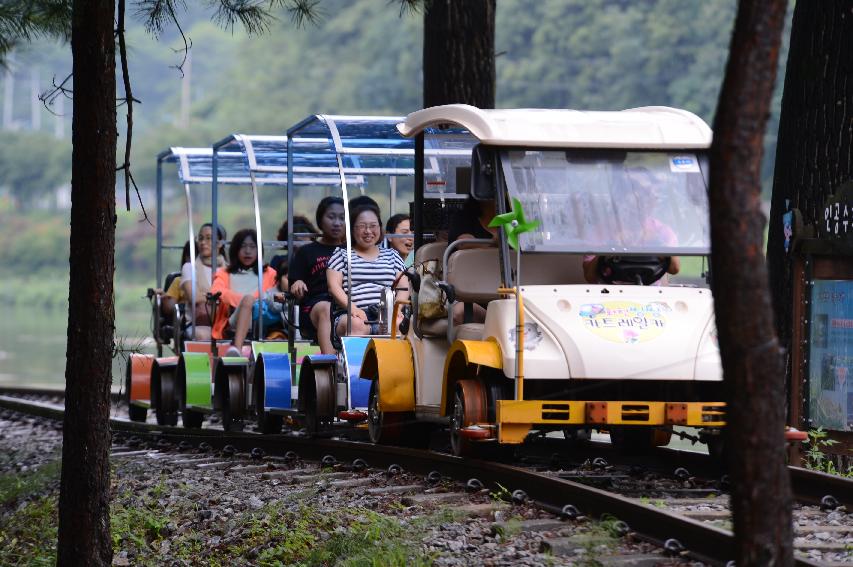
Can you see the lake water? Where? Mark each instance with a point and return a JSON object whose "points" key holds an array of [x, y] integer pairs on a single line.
{"points": [[32, 346]]}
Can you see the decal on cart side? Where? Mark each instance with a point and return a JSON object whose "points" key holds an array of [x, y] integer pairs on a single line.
{"points": [[353, 353], [626, 322]]}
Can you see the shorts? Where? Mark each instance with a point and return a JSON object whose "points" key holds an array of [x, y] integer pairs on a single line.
{"points": [[372, 312], [306, 326]]}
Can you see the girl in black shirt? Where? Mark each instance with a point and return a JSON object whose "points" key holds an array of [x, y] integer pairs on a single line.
{"points": [[308, 273]]}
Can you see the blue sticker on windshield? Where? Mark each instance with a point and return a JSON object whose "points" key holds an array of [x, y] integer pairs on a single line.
{"points": [[683, 164]]}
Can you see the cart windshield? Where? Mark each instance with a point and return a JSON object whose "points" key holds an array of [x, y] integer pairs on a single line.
{"points": [[612, 201]]}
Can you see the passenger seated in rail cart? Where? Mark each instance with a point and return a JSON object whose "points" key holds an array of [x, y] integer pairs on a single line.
{"points": [[301, 225], [641, 200], [373, 270], [401, 224], [174, 294], [273, 305], [238, 285], [307, 274], [203, 276]]}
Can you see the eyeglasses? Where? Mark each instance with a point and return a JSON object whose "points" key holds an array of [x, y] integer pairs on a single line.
{"points": [[249, 247], [364, 227]]}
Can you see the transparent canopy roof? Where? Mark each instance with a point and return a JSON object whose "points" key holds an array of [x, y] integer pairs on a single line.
{"points": [[242, 157], [195, 165], [367, 145]]}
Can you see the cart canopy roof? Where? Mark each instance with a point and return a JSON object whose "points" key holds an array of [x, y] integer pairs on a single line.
{"points": [[649, 127], [241, 157]]}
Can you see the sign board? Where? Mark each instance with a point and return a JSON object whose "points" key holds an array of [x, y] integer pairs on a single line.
{"points": [[830, 357]]}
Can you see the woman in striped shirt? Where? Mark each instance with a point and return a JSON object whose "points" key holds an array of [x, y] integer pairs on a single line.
{"points": [[373, 270]]}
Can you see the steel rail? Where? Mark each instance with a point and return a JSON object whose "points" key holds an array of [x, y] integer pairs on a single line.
{"points": [[701, 540]]}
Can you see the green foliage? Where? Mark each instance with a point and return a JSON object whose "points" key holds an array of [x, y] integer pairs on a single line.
{"points": [[28, 534], [364, 57], [817, 460], [25, 20], [34, 166], [28, 517], [137, 526], [501, 493], [15, 486]]}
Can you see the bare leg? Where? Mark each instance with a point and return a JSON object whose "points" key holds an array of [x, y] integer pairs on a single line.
{"points": [[320, 316], [459, 314], [359, 327], [202, 333], [167, 305], [244, 320]]}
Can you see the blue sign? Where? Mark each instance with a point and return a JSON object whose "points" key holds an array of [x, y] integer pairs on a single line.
{"points": [[831, 355]]}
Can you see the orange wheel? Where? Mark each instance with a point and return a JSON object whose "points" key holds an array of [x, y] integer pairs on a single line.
{"points": [[469, 408]]}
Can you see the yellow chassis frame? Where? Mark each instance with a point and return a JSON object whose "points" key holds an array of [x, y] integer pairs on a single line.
{"points": [[516, 418]]}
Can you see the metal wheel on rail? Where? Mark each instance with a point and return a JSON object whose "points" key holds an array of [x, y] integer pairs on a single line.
{"points": [[192, 419], [164, 391], [137, 413], [469, 408], [319, 400], [231, 394], [383, 427]]}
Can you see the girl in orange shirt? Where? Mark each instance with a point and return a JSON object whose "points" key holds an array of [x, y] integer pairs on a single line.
{"points": [[238, 284]]}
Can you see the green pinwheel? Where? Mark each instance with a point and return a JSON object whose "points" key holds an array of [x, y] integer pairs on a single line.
{"points": [[514, 223]]}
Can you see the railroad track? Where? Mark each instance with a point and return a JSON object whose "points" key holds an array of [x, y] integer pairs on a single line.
{"points": [[675, 500]]}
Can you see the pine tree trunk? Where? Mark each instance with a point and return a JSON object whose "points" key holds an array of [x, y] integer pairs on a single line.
{"points": [[752, 361], [84, 532], [459, 52], [814, 154]]}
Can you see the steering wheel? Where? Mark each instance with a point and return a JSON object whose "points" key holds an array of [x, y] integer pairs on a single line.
{"points": [[639, 270]]}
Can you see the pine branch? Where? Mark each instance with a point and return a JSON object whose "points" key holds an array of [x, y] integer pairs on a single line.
{"points": [[251, 14], [25, 20], [410, 6], [157, 13]]}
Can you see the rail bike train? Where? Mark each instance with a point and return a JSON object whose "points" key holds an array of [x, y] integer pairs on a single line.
{"points": [[503, 337]]}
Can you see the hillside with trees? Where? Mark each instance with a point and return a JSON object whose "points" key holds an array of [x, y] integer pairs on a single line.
{"points": [[551, 53]]}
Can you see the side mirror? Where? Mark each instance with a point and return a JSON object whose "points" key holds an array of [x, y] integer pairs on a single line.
{"points": [[483, 174]]}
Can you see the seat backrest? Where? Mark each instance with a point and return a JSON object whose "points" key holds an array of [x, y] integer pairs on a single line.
{"points": [[475, 273], [431, 251]]}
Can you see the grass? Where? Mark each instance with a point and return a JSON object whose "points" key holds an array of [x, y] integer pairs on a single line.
{"points": [[28, 535], [28, 516], [355, 538], [17, 486], [270, 536], [145, 523]]}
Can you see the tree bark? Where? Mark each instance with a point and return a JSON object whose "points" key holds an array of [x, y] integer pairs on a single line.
{"points": [[752, 361], [459, 52], [814, 154], [84, 532]]}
